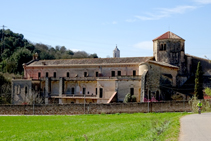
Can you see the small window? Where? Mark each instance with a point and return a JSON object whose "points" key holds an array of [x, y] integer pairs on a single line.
{"points": [[101, 92], [54, 74], [73, 91], [68, 74], [132, 91], [46, 74], [87, 92], [161, 46], [119, 73], [26, 90], [164, 46], [134, 73], [96, 91], [39, 74], [84, 90], [85, 74], [96, 74], [112, 73]]}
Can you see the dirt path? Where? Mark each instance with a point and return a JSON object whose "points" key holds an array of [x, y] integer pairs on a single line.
{"points": [[195, 127]]}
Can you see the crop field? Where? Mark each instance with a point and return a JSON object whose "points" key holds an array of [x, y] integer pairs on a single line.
{"points": [[138, 126]]}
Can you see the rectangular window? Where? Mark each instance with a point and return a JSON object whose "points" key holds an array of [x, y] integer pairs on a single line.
{"points": [[164, 46], [54, 74], [68, 74], [84, 90], [161, 47], [101, 92], [46, 74], [96, 91], [112, 73], [85, 74], [73, 91], [134, 73], [132, 91], [39, 74], [96, 74], [25, 90], [119, 73]]}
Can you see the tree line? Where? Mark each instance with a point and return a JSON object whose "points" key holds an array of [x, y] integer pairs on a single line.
{"points": [[16, 50]]}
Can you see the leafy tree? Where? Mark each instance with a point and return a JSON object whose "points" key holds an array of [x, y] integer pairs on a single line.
{"points": [[199, 82], [208, 91]]}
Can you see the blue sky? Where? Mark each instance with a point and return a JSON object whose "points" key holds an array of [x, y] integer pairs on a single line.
{"points": [[97, 26]]}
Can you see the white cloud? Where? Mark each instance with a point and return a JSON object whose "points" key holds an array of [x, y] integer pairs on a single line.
{"points": [[130, 20], [203, 1], [107, 23], [165, 12], [146, 45], [114, 22], [76, 50]]}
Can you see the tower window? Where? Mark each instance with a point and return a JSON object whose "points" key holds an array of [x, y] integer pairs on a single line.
{"points": [[119, 73], [68, 74], [164, 46], [112, 73], [26, 90], [54, 74], [161, 47]]}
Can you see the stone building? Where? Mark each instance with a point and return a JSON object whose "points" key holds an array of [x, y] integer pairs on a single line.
{"points": [[163, 76]]}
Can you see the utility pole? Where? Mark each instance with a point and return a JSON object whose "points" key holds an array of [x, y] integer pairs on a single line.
{"points": [[2, 39]]}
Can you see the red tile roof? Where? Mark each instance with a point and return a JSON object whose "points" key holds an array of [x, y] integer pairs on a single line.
{"points": [[168, 35]]}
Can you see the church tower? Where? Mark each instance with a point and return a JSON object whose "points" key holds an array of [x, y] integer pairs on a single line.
{"points": [[169, 48], [116, 53]]}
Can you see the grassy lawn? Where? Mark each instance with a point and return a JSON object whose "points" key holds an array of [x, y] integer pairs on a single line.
{"points": [[139, 126]]}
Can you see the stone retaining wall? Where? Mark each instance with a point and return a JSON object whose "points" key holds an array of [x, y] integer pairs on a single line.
{"points": [[72, 109]]}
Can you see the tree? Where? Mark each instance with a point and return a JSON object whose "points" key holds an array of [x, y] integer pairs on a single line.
{"points": [[199, 82], [208, 91]]}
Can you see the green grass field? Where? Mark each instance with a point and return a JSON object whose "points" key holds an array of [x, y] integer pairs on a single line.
{"points": [[139, 126]]}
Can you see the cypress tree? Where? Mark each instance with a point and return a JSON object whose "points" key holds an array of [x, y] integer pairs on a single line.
{"points": [[199, 82]]}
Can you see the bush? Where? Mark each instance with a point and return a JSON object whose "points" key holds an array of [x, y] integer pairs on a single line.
{"points": [[129, 98]]}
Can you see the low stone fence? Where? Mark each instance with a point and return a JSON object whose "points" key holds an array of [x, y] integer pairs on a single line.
{"points": [[73, 109]]}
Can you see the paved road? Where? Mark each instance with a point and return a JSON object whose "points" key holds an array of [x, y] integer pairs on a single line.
{"points": [[195, 127]]}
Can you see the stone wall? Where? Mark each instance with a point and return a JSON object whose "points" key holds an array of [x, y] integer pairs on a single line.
{"points": [[73, 109]]}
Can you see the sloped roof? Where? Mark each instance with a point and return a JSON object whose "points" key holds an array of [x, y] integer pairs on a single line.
{"points": [[163, 64], [89, 61], [168, 35], [116, 49]]}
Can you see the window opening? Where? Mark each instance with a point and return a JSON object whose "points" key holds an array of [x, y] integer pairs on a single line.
{"points": [[68, 74], [54, 74], [96, 74], [134, 73], [85, 74], [119, 73], [39, 74], [132, 91], [101, 92], [46, 74], [84, 90], [73, 91], [112, 73]]}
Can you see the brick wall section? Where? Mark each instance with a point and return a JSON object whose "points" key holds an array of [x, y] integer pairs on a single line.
{"points": [[75, 109]]}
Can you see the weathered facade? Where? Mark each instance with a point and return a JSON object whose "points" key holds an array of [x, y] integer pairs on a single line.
{"points": [[106, 80]]}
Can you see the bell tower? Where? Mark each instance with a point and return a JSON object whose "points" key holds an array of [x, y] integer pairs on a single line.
{"points": [[170, 48], [116, 53]]}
